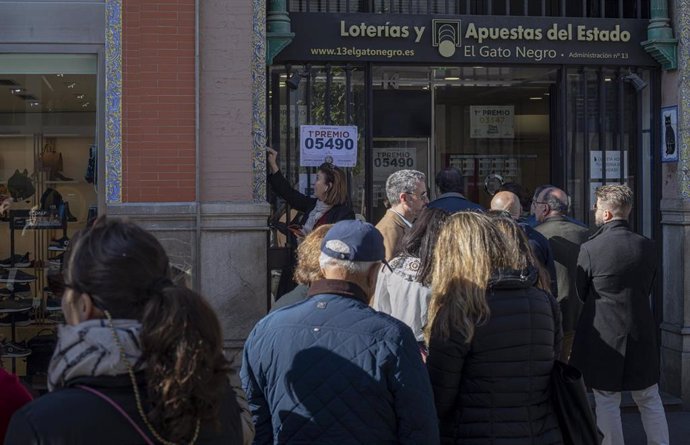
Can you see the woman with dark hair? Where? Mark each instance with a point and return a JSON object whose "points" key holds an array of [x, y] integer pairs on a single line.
{"points": [[493, 337], [329, 205], [403, 290], [139, 360]]}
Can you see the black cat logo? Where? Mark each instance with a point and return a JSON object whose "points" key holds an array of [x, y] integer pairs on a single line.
{"points": [[670, 136]]}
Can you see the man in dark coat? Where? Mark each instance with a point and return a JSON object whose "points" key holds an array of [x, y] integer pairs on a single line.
{"points": [[451, 185], [615, 343], [333, 370], [565, 237]]}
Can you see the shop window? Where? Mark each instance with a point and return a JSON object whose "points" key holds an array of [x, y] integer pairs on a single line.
{"points": [[48, 177]]}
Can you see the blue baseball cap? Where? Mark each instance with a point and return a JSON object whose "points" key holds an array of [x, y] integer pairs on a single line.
{"points": [[354, 240]]}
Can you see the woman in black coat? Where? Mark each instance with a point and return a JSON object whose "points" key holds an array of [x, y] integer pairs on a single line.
{"points": [[139, 360], [329, 205], [493, 336]]}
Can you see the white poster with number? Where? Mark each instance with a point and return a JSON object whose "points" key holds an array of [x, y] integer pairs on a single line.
{"points": [[389, 160], [492, 121], [336, 144]]}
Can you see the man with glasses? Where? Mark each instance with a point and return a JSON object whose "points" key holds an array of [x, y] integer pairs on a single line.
{"points": [[510, 202], [407, 194], [615, 344], [549, 207]]}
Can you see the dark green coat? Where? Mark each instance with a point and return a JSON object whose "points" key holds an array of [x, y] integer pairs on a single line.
{"points": [[565, 238]]}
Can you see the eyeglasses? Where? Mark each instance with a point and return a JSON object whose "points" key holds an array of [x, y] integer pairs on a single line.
{"points": [[540, 202]]}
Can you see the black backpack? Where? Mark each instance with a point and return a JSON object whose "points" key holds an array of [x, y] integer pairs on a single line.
{"points": [[20, 186]]}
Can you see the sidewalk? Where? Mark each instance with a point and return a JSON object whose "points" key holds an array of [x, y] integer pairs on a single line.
{"points": [[678, 425]]}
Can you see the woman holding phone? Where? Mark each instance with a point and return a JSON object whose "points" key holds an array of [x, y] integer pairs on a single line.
{"points": [[329, 205]]}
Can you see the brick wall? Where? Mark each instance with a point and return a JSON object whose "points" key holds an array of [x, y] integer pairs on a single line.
{"points": [[158, 147]]}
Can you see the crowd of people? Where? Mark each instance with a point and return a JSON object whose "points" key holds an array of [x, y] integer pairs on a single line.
{"points": [[441, 324]]}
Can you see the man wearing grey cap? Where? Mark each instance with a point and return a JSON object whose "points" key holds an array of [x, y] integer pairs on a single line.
{"points": [[330, 369]]}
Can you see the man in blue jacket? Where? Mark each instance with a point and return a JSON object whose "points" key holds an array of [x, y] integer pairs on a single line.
{"points": [[331, 369], [451, 184]]}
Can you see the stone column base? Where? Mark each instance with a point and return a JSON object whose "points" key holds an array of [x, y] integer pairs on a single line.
{"points": [[223, 248]]}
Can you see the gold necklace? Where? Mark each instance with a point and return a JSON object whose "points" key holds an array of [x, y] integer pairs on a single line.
{"points": [[137, 396]]}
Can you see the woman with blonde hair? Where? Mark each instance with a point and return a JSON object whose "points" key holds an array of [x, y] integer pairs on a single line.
{"points": [[492, 338], [308, 268]]}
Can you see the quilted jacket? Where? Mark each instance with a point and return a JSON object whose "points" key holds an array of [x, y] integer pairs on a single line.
{"points": [[495, 389], [333, 370]]}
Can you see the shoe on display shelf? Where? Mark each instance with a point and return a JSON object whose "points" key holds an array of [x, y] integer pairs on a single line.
{"points": [[21, 305], [59, 245], [56, 261], [16, 261], [20, 319], [15, 276], [17, 289], [53, 304], [14, 350]]}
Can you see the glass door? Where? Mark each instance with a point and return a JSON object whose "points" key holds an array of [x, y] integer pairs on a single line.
{"points": [[494, 125]]}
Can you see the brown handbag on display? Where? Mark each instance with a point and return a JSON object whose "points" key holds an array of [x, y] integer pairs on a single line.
{"points": [[50, 160]]}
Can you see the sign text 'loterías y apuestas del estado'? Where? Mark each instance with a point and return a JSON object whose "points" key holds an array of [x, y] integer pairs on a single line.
{"points": [[471, 39]]}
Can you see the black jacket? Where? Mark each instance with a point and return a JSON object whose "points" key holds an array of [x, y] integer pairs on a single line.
{"points": [[306, 204], [496, 388], [73, 416], [615, 343]]}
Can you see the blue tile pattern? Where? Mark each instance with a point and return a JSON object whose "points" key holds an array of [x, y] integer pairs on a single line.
{"points": [[259, 100], [113, 102]]}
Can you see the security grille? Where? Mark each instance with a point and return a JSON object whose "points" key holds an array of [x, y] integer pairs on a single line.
{"points": [[538, 8]]}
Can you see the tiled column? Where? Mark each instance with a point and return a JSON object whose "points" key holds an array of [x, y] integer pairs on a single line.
{"points": [[675, 209]]}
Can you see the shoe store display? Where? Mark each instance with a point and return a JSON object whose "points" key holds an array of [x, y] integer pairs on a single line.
{"points": [[17, 289], [21, 319], [10, 349], [21, 305], [59, 245], [15, 276], [16, 261], [56, 261], [53, 304]]}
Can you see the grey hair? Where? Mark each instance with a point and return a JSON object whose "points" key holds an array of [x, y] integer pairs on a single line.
{"points": [[556, 204], [352, 267], [402, 181]]}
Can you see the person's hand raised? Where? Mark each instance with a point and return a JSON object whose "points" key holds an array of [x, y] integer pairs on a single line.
{"points": [[272, 159]]}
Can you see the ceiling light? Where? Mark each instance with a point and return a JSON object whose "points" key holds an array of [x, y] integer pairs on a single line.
{"points": [[451, 78], [536, 98], [60, 75], [71, 85], [80, 96], [477, 67], [34, 103], [607, 79], [85, 104], [547, 94], [425, 87], [17, 90], [282, 84]]}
